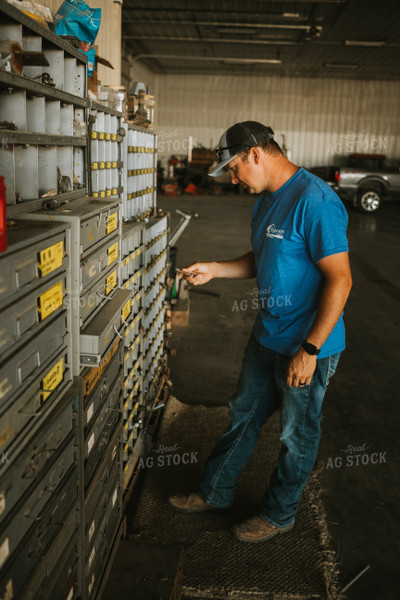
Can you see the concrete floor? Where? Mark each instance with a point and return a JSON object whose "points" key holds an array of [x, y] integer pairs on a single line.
{"points": [[359, 450]]}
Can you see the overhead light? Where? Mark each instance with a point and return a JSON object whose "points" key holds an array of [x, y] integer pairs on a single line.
{"points": [[341, 66], [290, 15], [269, 61], [243, 31], [364, 43]]}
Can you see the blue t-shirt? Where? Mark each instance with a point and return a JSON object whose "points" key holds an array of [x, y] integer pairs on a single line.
{"points": [[292, 229]]}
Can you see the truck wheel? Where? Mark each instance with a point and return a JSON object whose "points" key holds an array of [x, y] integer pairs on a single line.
{"points": [[369, 200]]}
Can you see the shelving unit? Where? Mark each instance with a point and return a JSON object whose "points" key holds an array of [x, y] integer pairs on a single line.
{"points": [[82, 300]]}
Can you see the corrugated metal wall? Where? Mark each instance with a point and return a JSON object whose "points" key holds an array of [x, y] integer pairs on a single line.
{"points": [[322, 120]]}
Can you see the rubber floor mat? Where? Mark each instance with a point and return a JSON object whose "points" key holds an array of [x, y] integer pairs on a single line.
{"points": [[297, 565]]}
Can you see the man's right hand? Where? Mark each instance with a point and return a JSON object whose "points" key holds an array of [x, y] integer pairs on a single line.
{"points": [[203, 273]]}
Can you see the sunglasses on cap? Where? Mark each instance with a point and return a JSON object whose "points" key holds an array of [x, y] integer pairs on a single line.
{"points": [[220, 151]]}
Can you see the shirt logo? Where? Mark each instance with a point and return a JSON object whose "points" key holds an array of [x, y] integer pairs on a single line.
{"points": [[272, 232]]}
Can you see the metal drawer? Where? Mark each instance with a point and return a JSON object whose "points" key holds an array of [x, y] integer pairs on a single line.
{"points": [[99, 262], [24, 414], [90, 376], [95, 506], [95, 556], [20, 369], [26, 561], [104, 328], [18, 565], [96, 219], [95, 297], [101, 390], [36, 253], [102, 428], [57, 574], [23, 515], [110, 454], [26, 317], [43, 451]]}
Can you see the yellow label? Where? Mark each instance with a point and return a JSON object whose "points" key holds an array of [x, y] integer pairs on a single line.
{"points": [[101, 165], [94, 135], [112, 223], [126, 382], [111, 282], [51, 258], [126, 310], [114, 137], [108, 165], [52, 380], [49, 301], [108, 137], [108, 193], [101, 136], [137, 319], [94, 166], [126, 260], [102, 194], [138, 251], [135, 390], [112, 253], [114, 164], [114, 191]]}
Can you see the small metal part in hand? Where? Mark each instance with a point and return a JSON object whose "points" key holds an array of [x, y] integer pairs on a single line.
{"points": [[187, 273]]}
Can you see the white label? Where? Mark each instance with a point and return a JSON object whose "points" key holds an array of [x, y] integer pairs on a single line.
{"points": [[90, 442], [2, 502], [91, 557], [89, 413], [91, 530], [91, 584], [4, 552], [71, 593], [114, 498]]}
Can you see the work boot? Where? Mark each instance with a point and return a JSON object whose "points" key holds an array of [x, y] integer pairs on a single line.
{"points": [[256, 529], [191, 503]]}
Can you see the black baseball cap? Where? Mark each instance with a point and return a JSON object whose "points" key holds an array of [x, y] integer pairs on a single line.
{"points": [[238, 138]]}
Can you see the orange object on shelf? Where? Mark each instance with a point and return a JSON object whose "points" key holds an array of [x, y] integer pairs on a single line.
{"points": [[191, 189]]}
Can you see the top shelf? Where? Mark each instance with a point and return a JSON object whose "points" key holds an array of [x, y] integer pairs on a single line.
{"points": [[15, 15]]}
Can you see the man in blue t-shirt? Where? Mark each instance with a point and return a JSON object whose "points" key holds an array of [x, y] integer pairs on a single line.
{"points": [[300, 260]]}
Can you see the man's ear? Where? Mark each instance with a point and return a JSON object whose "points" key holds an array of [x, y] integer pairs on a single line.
{"points": [[255, 154]]}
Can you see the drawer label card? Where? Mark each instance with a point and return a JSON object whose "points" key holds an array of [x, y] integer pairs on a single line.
{"points": [[90, 443], [114, 498], [126, 310], [4, 551], [2, 502], [51, 258], [91, 530], [111, 282], [112, 253], [112, 223], [89, 413], [52, 380], [49, 301]]}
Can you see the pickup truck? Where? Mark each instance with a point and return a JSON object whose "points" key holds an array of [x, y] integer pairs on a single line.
{"points": [[366, 180]]}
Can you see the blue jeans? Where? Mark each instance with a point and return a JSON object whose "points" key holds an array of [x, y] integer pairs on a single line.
{"points": [[261, 390]]}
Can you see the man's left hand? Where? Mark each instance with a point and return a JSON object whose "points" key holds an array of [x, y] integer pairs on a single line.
{"points": [[300, 369]]}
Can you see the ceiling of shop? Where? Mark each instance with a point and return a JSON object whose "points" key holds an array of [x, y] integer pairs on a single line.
{"points": [[356, 39]]}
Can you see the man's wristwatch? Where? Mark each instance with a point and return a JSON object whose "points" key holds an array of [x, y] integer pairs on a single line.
{"points": [[310, 348]]}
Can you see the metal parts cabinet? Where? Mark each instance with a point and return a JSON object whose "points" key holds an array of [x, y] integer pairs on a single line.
{"points": [[82, 310]]}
